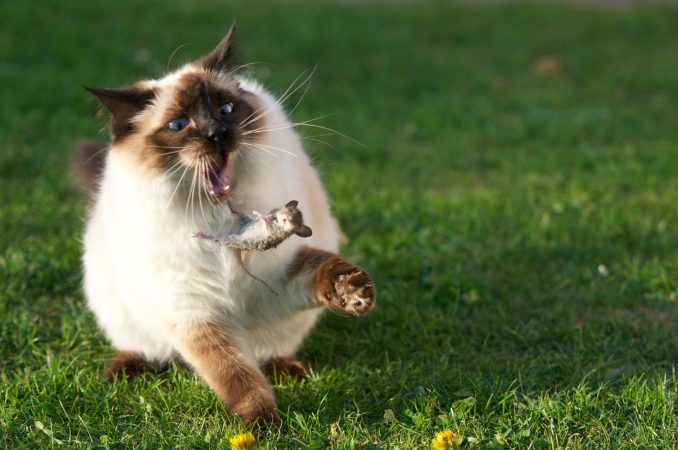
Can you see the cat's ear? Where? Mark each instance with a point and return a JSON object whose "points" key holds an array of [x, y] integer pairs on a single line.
{"points": [[123, 104], [221, 57]]}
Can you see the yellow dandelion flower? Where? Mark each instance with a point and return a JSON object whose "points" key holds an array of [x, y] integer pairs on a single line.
{"points": [[242, 441], [445, 440]]}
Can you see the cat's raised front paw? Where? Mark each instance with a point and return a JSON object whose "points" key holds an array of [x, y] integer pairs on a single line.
{"points": [[345, 287], [355, 292]]}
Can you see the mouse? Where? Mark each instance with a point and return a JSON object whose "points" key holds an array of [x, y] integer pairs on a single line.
{"points": [[260, 232]]}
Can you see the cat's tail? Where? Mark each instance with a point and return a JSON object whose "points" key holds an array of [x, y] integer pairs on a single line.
{"points": [[87, 165]]}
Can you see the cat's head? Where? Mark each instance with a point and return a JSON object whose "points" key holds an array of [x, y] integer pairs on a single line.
{"points": [[193, 121]]}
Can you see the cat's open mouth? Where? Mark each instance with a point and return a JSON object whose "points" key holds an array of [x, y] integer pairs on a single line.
{"points": [[215, 179]]}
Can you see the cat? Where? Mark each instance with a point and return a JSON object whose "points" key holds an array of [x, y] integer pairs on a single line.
{"points": [[187, 151]]}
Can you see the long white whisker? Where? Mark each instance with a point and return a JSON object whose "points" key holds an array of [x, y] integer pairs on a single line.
{"points": [[200, 169], [172, 169], [195, 170], [310, 125], [265, 146], [308, 85], [169, 61], [280, 101], [242, 66], [171, 174], [256, 151], [266, 111], [242, 158], [175, 190], [283, 127], [176, 150], [254, 155], [204, 170], [101, 150], [189, 199], [320, 141], [265, 150]]}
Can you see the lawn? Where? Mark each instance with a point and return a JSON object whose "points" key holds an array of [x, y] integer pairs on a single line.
{"points": [[516, 200]]}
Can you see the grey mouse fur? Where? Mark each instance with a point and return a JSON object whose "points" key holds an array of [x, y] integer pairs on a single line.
{"points": [[262, 232]]}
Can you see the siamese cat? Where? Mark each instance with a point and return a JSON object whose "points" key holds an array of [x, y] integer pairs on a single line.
{"points": [[187, 153]]}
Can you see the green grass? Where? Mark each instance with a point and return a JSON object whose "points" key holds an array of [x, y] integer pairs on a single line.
{"points": [[485, 202]]}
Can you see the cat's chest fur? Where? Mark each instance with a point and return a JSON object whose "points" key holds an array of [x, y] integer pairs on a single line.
{"points": [[167, 271]]}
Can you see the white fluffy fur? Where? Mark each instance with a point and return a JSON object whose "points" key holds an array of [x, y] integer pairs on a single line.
{"points": [[146, 278]]}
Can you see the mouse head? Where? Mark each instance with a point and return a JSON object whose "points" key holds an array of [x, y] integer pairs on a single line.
{"points": [[291, 219]]}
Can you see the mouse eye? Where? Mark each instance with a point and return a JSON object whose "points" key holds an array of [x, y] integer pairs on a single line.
{"points": [[178, 124], [226, 109]]}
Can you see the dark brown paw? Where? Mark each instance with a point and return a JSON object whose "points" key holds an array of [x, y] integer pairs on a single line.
{"points": [[129, 365], [280, 370], [262, 421], [355, 292], [343, 286], [257, 414]]}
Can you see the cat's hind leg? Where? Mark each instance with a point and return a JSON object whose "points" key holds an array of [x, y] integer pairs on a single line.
{"points": [[279, 370], [130, 365]]}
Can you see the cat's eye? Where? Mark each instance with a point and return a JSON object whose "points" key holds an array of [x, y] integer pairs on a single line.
{"points": [[178, 124], [226, 109]]}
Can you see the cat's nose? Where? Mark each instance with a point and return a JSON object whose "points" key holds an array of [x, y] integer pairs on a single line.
{"points": [[217, 133]]}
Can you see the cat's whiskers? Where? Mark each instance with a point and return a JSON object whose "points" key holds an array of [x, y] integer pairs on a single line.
{"points": [[170, 175], [201, 168], [95, 154], [245, 161], [266, 111], [236, 69], [276, 127], [271, 147], [320, 141], [265, 150], [305, 124], [255, 150], [279, 102], [303, 95], [176, 188], [169, 61], [197, 192], [189, 199], [167, 146], [253, 154], [172, 169]]}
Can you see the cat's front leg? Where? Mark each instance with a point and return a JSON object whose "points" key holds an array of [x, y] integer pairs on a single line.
{"points": [[218, 355], [336, 283]]}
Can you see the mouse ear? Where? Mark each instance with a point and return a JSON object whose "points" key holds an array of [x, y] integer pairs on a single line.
{"points": [[292, 204], [304, 231]]}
